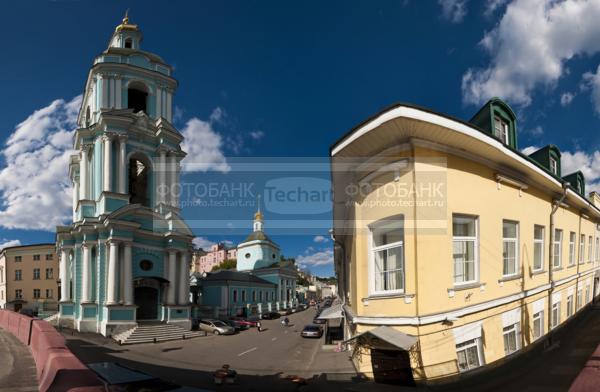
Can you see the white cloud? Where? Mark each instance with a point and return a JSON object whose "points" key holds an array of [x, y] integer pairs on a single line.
{"points": [[592, 81], [453, 10], [320, 239], [203, 243], [35, 190], [566, 98], [4, 243], [529, 150], [203, 145], [320, 258], [529, 48], [257, 135], [492, 5], [536, 131]]}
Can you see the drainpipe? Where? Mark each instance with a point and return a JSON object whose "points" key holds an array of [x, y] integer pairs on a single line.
{"points": [[555, 208]]}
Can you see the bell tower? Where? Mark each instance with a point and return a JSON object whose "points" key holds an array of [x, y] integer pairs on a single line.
{"points": [[125, 256]]}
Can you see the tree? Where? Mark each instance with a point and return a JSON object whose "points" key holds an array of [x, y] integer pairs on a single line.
{"points": [[225, 265]]}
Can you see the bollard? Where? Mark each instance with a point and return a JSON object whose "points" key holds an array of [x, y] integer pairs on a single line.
{"points": [[154, 340]]}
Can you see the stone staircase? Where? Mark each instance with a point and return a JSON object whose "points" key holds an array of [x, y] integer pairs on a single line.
{"points": [[155, 332]]}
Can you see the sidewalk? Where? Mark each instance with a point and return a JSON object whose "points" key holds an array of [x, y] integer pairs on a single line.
{"points": [[17, 369]]}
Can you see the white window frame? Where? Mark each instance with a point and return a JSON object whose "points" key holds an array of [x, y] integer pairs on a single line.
{"points": [[539, 316], [597, 256], [503, 136], [540, 242], [590, 248], [475, 239], [572, 242], [374, 249], [555, 322], [557, 243], [464, 346], [569, 305], [581, 248], [516, 329], [579, 298], [553, 166], [514, 240], [587, 294]]}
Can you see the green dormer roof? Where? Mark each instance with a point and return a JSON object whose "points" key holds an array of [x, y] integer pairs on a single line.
{"points": [[497, 111]]}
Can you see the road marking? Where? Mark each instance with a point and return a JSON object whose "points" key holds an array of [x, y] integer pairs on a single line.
{"points": [[274, 339], [247, 351]]}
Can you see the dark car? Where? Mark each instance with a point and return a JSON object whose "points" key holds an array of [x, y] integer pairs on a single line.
{"points": [[237, 325], [118, 378], [312, 331], [270, 315], [317, 320]]}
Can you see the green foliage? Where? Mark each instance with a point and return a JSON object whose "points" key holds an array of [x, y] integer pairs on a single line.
{"points": [[225, 265]]}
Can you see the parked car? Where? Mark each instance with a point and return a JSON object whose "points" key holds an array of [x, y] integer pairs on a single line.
{"points": [[216, 327], [317, 320], [303, 306], [270, 315], [244, 321], [117, 378], [312, 302], [236, 325], [312, 331]]}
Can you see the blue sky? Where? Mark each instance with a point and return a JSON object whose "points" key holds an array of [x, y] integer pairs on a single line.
{"points": [[286, 79]]}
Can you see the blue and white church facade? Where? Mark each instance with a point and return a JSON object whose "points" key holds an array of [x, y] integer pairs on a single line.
{"points": [[259, 255], [125, 258]]}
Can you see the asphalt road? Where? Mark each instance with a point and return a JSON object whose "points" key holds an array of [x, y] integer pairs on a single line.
{"points": [[261, 358], [17, 368]]}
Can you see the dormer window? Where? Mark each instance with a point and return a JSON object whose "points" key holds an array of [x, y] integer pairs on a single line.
{"points": [[128, 43], [553, 166], [501, 130]]}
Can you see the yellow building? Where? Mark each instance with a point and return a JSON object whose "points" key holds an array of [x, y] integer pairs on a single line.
{"points": [[454, 250], [29, 278]]}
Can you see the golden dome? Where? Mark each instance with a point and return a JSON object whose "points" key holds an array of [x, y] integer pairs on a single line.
{"points": [[125, 24], [258, 216]]}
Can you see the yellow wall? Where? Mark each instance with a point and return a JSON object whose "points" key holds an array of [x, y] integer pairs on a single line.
{"points": [[471, 188]]}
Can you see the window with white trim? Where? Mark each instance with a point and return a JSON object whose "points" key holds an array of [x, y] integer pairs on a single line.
{"points": [[469, 354], [510, 247], [556, 257], [553, 166], [579, 298], [465, 249], [597, 258], [538, 324], [501, 129], [572, 239], [555, 320], [387, 253], [587, 293], [590, 249], [581, 248], [569, 305], [538, 247], [511, 338]]}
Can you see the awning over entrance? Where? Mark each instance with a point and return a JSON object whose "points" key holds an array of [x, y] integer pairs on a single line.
{"points": [[387, 334], [334, 312]]}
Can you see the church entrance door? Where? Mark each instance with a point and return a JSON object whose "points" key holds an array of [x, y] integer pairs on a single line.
{"points": [[146, 298]]}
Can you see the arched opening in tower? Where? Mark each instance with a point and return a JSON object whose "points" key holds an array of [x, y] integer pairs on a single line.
{"points": [[138, 182], [137, 97]]}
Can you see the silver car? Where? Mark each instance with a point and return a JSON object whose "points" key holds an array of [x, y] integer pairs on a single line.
{"points": [[216, 327], [312, 331]]}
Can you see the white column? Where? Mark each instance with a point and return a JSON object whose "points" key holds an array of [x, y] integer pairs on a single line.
{"points": [[159, 112], [127, 275], [172, 277], [64, 276], [83, 173], [118, 92], [75, 198], [184, 280], [107, 163], [160, 188], [104, 103], [122, 164], [111, 279], [86, 273], [169, 98], [171, 174]]}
